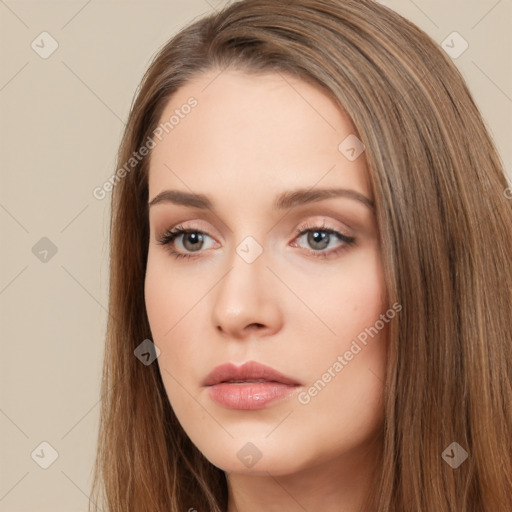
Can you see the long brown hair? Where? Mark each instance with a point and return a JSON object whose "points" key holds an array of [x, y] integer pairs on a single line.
{"points": [[445, 227]]}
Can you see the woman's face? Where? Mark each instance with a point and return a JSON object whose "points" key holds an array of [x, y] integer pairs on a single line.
{"points": [[270, 157]]}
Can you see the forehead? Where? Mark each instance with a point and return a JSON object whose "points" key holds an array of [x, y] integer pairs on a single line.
{"points": [[249, 133]]}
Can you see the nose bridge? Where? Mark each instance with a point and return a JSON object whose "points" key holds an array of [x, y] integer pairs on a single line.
{"points": [[242, 284], [243, 296]]}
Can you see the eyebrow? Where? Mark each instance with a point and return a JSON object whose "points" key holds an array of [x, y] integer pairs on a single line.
{"points": [[286, 200]]}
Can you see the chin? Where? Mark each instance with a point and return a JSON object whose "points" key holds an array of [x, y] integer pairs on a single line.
{"points": [[258, 457]]}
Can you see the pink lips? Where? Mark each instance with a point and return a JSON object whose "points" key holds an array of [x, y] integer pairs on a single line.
{"points": [[250, 386]]}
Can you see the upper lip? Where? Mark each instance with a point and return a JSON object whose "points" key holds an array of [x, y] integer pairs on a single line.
{"points": [[251, 370]]}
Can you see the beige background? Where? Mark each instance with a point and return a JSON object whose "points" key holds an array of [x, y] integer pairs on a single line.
{"points": [[61, 122]]}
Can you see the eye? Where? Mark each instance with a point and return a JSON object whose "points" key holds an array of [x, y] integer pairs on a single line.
{"points": [[191, 239], [320, 237]]}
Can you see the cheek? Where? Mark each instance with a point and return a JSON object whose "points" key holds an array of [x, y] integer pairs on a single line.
{"points": [[346, 302], [361, 285], [168, 298], [153, 288], [158, 299], [361, 295], [362, 334], [173, 305], [350, 367]]}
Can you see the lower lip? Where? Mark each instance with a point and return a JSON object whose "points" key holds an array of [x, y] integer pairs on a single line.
{"points": [[250, 395]]}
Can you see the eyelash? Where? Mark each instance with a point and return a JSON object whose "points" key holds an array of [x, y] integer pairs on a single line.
{"points": [[169, 236]]}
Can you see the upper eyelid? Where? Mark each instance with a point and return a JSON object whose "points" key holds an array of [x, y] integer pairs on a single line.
{"points": [[303, 226], [312, 223], [321, 225]]}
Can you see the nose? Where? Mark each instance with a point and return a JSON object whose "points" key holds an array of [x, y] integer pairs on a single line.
{"points": [[247, 303]]}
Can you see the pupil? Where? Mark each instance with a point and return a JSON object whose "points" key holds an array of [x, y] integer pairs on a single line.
{"points": [[319, 237], [195, 239]]}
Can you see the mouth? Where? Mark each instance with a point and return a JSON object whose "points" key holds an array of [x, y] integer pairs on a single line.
{"points": [[249, 386]]}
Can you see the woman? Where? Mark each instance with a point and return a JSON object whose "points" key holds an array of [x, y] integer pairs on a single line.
{"points": [[310, 275]]}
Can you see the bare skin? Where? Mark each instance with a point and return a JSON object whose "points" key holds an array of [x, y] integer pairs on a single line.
{"points": [[248, 140]]}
